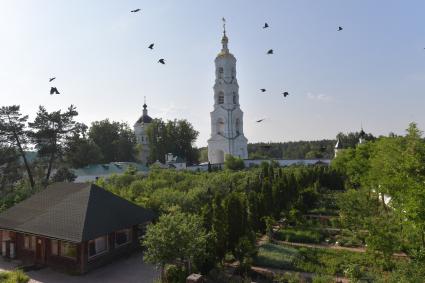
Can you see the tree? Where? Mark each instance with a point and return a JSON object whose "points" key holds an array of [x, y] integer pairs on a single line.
{"points": [[233, 163], [50, 133], [177, 237], [236, 218], [14, 133], [64, 175], [115, 140], [176, 137], [245, 251], [9, 168], [81, 151]]}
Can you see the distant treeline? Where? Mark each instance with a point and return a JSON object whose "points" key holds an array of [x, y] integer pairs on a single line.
{"points": [[303, 149]]}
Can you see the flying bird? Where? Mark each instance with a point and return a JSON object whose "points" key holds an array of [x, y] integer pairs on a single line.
{"points": [[135, 11], [266, 25], [162, 61], [270, 51], [259, 121], [151, 46], [54, 90], [340, 28], [285, 94], [263, 89], [51, 79]]}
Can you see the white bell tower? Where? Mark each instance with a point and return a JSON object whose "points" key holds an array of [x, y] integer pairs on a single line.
{"points": [[227, 135]]}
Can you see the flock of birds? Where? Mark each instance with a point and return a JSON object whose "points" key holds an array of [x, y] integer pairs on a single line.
{"points": [[54, 90], [271, 52]]}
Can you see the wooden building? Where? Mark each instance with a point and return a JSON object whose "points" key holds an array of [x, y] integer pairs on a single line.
{"points": [[73, 227]]}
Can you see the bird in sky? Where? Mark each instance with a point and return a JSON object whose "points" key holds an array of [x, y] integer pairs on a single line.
{"points": [[340, 28], [259, 121], [135, 11], [285, 94], [54, 90], [266, 25], [151, 46], [51, 79], [270, 51], [162, 61], [263, 89]]}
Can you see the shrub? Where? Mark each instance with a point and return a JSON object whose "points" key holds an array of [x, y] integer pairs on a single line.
{"points": [[16, 276], [174, 274], [323, 279], [299, 236]]}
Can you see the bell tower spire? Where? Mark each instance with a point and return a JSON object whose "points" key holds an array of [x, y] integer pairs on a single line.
{"points": [[227, 135], [224, 39]]}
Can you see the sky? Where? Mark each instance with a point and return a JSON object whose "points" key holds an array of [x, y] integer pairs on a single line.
{"points": [[372, 73]]}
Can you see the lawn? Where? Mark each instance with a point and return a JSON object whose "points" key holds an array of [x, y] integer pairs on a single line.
{"points": [[319, 261]]}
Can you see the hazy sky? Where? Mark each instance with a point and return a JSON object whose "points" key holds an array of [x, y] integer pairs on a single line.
{"points": [[373, 72]]}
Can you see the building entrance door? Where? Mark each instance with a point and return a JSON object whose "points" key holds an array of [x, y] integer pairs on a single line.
{"points": [[40, 250]]}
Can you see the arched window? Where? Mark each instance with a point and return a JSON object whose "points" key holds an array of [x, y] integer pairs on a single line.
{"points": [[233, 73], [235, 99], [220, 126], [238, 126], [220, 97], [220, 72]]}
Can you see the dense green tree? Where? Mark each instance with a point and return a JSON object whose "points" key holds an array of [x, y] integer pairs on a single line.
{"points": [[115, 140], [63, 174], [175, 238], [81, 151], [236, 217], [50, 133], [13, 132], [176, 137], [10, 172], [233, 163]]}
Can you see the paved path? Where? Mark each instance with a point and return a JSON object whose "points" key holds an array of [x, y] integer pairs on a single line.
{"points": [[126, 270]]}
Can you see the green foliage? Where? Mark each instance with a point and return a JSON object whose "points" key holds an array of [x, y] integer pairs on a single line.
{"points": [[115, 140], [16, 276], [277, 256], [323, 279], [292, 150], [50, 132], [177, 237], [63, 174], [10, 172], [81, 151], [174, 274], [233, 163], [388, 201], [176, 137], [299, 235], [14, 134]]}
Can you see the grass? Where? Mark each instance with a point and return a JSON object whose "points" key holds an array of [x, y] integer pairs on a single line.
{"points": [[319, 261], [16, 276], [299, 235], [276, 256]]}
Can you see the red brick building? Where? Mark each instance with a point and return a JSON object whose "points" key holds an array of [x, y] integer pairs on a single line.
{"points": [[74, 227]]}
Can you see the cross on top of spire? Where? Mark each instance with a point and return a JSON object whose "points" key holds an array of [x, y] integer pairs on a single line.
{"points": [[224, 40]]}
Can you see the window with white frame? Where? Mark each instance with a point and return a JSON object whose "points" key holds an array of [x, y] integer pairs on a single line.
{"points": [[29, 242], [54, 247], [122, 237], [98, 246]]}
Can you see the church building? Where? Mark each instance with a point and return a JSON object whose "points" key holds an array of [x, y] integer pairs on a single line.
{"points": [[227, 135], [140, 128]]}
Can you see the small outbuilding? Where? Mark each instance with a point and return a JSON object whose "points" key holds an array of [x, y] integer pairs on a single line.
{"points": [[74, 227]]}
